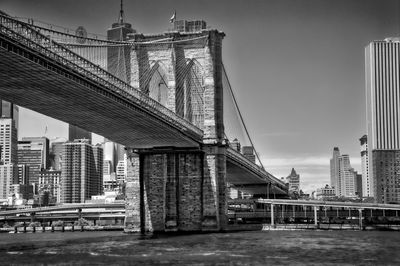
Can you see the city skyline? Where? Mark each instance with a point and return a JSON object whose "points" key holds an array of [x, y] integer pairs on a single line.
{"points": [[306, 69]]}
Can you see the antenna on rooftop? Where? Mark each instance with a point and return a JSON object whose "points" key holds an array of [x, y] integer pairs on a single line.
{"points": [[121, 13]]}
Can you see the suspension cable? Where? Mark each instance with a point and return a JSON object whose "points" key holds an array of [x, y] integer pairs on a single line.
{"points": [[240, 115]]}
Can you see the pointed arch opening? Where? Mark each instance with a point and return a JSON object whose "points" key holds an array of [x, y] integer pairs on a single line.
{"points": [[194, 93], [157, 84]]}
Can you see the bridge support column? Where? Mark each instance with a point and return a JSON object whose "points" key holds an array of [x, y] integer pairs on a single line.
{"points": [[215, 205], [315, 216], [360, 219], [272, 215], [133, 200], [176, 190]]}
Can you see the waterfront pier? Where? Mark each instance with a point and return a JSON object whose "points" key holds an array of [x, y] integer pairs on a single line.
{"points": [[312, 214]]}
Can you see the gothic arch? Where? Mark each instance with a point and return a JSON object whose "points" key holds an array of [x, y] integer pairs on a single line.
{"points": [[155, 83], [194, 93]]}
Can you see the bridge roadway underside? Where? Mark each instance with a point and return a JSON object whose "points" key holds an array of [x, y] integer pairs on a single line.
{"points": [[249, 182], [48, 88]]}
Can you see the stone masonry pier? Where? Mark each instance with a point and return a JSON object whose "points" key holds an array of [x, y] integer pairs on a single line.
{"points": [[176, 190]]}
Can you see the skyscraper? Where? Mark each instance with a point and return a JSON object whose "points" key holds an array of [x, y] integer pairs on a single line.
{"points": [[118, 63], [334, 165], [32, 159], [343, 176], [82, 171], [38, 143], [366, 183], [110, 155], [347, 177], [9, 159], [383, 118], [9, 110], [121, 170], [118, 57], [33, 152]]}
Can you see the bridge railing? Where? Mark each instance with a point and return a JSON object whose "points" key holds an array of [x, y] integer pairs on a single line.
{"points": [[32, 38], [239, 158]]}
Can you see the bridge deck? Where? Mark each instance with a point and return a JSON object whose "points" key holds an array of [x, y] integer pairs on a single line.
{"points": [[35, 80]]}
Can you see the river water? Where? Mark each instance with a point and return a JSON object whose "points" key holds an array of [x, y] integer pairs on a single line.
{"points": [[239, 248]]}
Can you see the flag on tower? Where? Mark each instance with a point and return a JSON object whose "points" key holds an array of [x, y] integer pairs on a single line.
{"points": [[173, 18]]}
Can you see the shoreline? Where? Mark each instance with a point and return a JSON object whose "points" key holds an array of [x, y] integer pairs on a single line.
{"points": [[230, 228]]}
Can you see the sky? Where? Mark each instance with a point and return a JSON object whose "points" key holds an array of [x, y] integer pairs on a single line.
{"points": [[295, 66]]}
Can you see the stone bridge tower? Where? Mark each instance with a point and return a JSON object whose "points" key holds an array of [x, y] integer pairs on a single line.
{"points": [[179, 188]]}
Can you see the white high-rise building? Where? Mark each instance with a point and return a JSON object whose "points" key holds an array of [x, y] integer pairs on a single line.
{"points": [[121, 170], [343, 176], [8, 162], [382, 65], [347, 177], [8, 141], [110, 155], [8, 173]]}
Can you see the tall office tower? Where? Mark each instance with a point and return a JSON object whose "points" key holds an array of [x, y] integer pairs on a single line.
{"points": [[118, 57], [97, 180], [121, 170], [119, 62], [110, 155], [383, 118], [366, 183], [120, 150], [248, 152], [34, 153], [294, 182], [81, 175], [9, 110], [334, 165], [38, 143], [9, 159], [8, 141], [32, 159], [75, 132], [347, 177]]}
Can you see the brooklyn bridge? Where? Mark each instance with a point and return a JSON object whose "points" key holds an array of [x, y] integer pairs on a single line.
{"points": [[160, 95]]}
